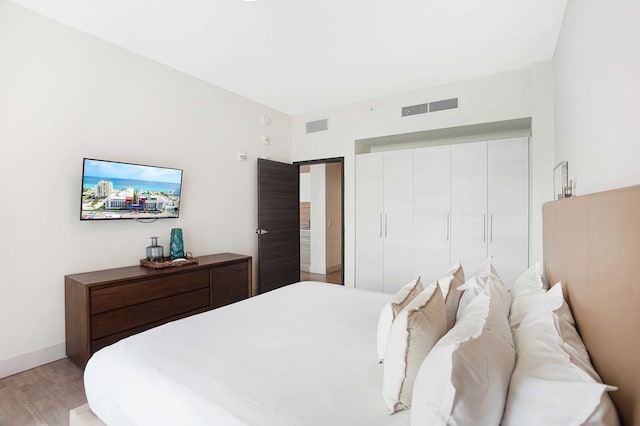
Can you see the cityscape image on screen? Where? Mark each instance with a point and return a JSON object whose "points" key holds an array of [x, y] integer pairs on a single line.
{"points": [[114, 190]]}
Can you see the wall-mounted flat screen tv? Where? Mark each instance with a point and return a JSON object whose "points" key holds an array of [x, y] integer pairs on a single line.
{"points": [[115, 190]]}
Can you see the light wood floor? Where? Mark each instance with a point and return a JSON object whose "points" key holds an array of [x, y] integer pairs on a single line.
{"points": [[333, 278], [41, 396]]}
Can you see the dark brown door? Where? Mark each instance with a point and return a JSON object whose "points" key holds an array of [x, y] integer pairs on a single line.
{"points": [[278, 225]]}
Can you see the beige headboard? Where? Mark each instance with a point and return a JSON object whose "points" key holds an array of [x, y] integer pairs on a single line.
{"points": [[592, 245]]}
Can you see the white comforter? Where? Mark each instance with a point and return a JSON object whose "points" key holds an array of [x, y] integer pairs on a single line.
{"points": [[304, 354]]}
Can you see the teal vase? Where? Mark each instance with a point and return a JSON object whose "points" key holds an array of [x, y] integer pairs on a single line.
{"points": [[176, 245]]}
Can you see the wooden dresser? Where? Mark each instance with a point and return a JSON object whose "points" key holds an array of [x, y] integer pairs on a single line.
{"points": [[102, 307]]}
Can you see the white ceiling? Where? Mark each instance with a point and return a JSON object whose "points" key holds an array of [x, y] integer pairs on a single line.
{"points": [[299, 56]]}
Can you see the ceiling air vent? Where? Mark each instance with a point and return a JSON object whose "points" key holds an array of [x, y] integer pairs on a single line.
{"points": [[430, 107], [318, 125]]}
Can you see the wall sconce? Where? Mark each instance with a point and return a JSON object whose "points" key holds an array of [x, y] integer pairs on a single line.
{"points": [[566, 188]]}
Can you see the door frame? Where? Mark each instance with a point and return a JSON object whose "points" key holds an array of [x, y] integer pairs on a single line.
{"points": [[326, 161]]}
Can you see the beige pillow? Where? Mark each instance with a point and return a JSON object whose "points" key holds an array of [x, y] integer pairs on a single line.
{"points": [[413, 333], [391, 309], [465, 377], [449, 284]]}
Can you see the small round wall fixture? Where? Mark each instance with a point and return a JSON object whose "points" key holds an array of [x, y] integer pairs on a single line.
{"points": [[266, 120]]}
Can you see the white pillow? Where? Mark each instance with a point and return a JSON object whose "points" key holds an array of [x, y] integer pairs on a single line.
{"points": [[526, 291], [520, 307], [529, 283], [570, 340], [465, 377], [478, 283], [554, 382], [449, 284], [413, 333], [391, 309]]}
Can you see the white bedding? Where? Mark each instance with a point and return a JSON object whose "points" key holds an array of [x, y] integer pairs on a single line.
{"points": [[304, 354]]}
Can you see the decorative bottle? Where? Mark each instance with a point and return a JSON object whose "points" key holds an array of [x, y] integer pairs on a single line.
{"points": [[155, 252]]}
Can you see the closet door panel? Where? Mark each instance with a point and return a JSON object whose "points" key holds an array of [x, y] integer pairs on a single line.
{"points": [[397, 220], [431, 212], [469, 205], [369, 221], [508, 206]]}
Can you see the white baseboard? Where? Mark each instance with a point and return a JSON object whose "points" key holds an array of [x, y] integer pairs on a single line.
{"points": [[20, 363], [83, 416]]}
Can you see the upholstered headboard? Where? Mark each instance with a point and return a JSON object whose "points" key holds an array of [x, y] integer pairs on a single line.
{"points": [[592, 245]]}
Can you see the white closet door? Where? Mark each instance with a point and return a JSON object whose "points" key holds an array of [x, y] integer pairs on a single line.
{"points": [[397, 220], [369, 221], [469, 205], [508, 183], [431, 212]]}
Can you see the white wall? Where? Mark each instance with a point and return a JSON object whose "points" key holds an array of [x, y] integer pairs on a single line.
{"points": [[305, 187], [497, 97], [65, 95], [597, 93], [540, 152]]}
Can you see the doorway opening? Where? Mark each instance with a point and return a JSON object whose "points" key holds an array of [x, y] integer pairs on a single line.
{"points": [[322, 220]]}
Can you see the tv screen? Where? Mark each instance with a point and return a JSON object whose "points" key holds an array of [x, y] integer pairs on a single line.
{"points": [[114, 190]]}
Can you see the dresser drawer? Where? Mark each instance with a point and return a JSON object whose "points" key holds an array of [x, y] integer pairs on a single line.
{"points": [[226, 283], [97, 344], [119, 320], [121, 296]]}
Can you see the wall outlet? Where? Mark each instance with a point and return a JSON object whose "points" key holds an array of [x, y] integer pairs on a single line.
{"points": [[242, 156]]}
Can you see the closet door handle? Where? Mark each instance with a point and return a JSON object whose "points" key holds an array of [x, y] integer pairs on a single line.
{"points": [[385, 225], [380, 225], [491, 229], [484, 228], [448, 226]]}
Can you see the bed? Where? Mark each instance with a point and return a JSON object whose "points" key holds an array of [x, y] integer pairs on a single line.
{"points": [[261, 374], [302, 354]]}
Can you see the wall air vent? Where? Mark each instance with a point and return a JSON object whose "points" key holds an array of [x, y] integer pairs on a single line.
{"points": [[442, 105], [318, 125], [415, 109], [430, 107]]}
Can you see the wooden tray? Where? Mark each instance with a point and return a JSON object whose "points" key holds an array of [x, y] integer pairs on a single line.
{"points": [[168, 263]]}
